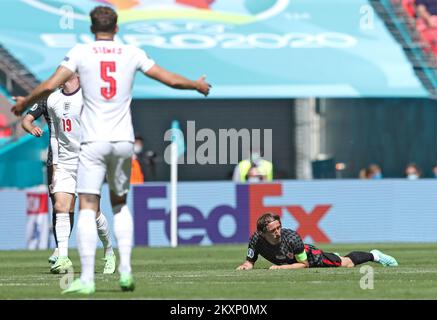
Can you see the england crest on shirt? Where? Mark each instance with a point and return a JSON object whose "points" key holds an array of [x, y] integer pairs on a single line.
{"points": [[67, 105]]}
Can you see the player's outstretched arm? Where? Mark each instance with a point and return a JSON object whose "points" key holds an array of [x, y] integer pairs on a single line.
{"points": [[247, 265], [27, 125], [60, 76], [177, 81], [298, 265]]}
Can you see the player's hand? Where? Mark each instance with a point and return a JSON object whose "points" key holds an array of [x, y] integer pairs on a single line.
{"points": [[36, 131], [242, 267], [203, 86], [18, 107], [245, 266]]}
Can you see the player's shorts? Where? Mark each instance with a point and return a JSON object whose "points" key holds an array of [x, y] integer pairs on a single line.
{"points": [[64, 180], [320, 259], [330, 260], [97, 159]]}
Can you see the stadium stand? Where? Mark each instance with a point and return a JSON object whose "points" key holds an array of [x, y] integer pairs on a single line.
{"points": [[408, 6], [400, 19], [427, 34], [15, 79], [5, 130], [7, 120]]}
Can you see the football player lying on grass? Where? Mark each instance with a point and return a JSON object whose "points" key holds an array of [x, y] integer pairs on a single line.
{"points": [[286, 250]]}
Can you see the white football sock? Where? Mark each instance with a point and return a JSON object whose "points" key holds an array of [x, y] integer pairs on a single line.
{"points": [[55, 252], [123, 229], [63, 233], [103, 232], [87, 243]]}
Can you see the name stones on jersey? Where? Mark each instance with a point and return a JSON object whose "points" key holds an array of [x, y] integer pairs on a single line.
{"points": [[106, 50]]}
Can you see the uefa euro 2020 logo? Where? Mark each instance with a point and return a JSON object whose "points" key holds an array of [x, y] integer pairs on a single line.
{"points": [[237, 12], [192, 24]]}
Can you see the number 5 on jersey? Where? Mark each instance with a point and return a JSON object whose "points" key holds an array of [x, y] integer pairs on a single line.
{"points": [[105, 68]]}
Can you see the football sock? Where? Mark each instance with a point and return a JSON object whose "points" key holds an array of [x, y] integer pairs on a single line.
{"points": [[123, 229], [103, 232], [359, 257], [87, 242], [62, 232]]}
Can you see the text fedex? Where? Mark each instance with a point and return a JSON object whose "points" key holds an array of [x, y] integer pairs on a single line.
{"points": [[230, 222]]}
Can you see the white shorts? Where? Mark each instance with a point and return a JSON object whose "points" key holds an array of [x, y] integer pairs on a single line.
{"points": [[97, 159], [64, 180]]}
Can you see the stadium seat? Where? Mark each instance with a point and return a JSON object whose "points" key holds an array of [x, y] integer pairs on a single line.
{"points": [[5, 130], [409, 7], [428, 35]]}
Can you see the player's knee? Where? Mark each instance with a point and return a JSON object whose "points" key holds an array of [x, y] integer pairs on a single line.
{"points": [[118, 201], [89, 201], [347, 262], [118, 207], [61, 206]]}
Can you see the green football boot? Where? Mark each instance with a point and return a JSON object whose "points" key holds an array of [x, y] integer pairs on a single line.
{"points": [[384, 259], [53, 257], [80, 288], [127, 282], [110, 262], [61, 265]]}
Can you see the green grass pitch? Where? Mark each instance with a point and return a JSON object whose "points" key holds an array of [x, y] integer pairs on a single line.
{"points": [[208, 272]]}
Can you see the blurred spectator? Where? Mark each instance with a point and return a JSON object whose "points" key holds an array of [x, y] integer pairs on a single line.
{"points": [[255, 169], [426, 23], [413, 172], [427, 11], [5, 130], [373, 171], [363, 173], [409, 7], [137, 175], [434, 171]]}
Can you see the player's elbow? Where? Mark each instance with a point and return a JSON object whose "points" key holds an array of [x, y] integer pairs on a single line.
{"points": [[48, 87]]}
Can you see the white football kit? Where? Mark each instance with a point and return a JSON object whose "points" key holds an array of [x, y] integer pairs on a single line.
{"points": [[64, 110], [106, 70]]}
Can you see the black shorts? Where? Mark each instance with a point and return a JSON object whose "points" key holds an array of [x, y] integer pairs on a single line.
{"points": [[330, 260], [320, 259]]}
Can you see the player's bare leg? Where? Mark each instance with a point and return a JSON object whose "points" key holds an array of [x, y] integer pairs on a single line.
{"points": [[64, 204], [123, 229], [347, 262]]}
